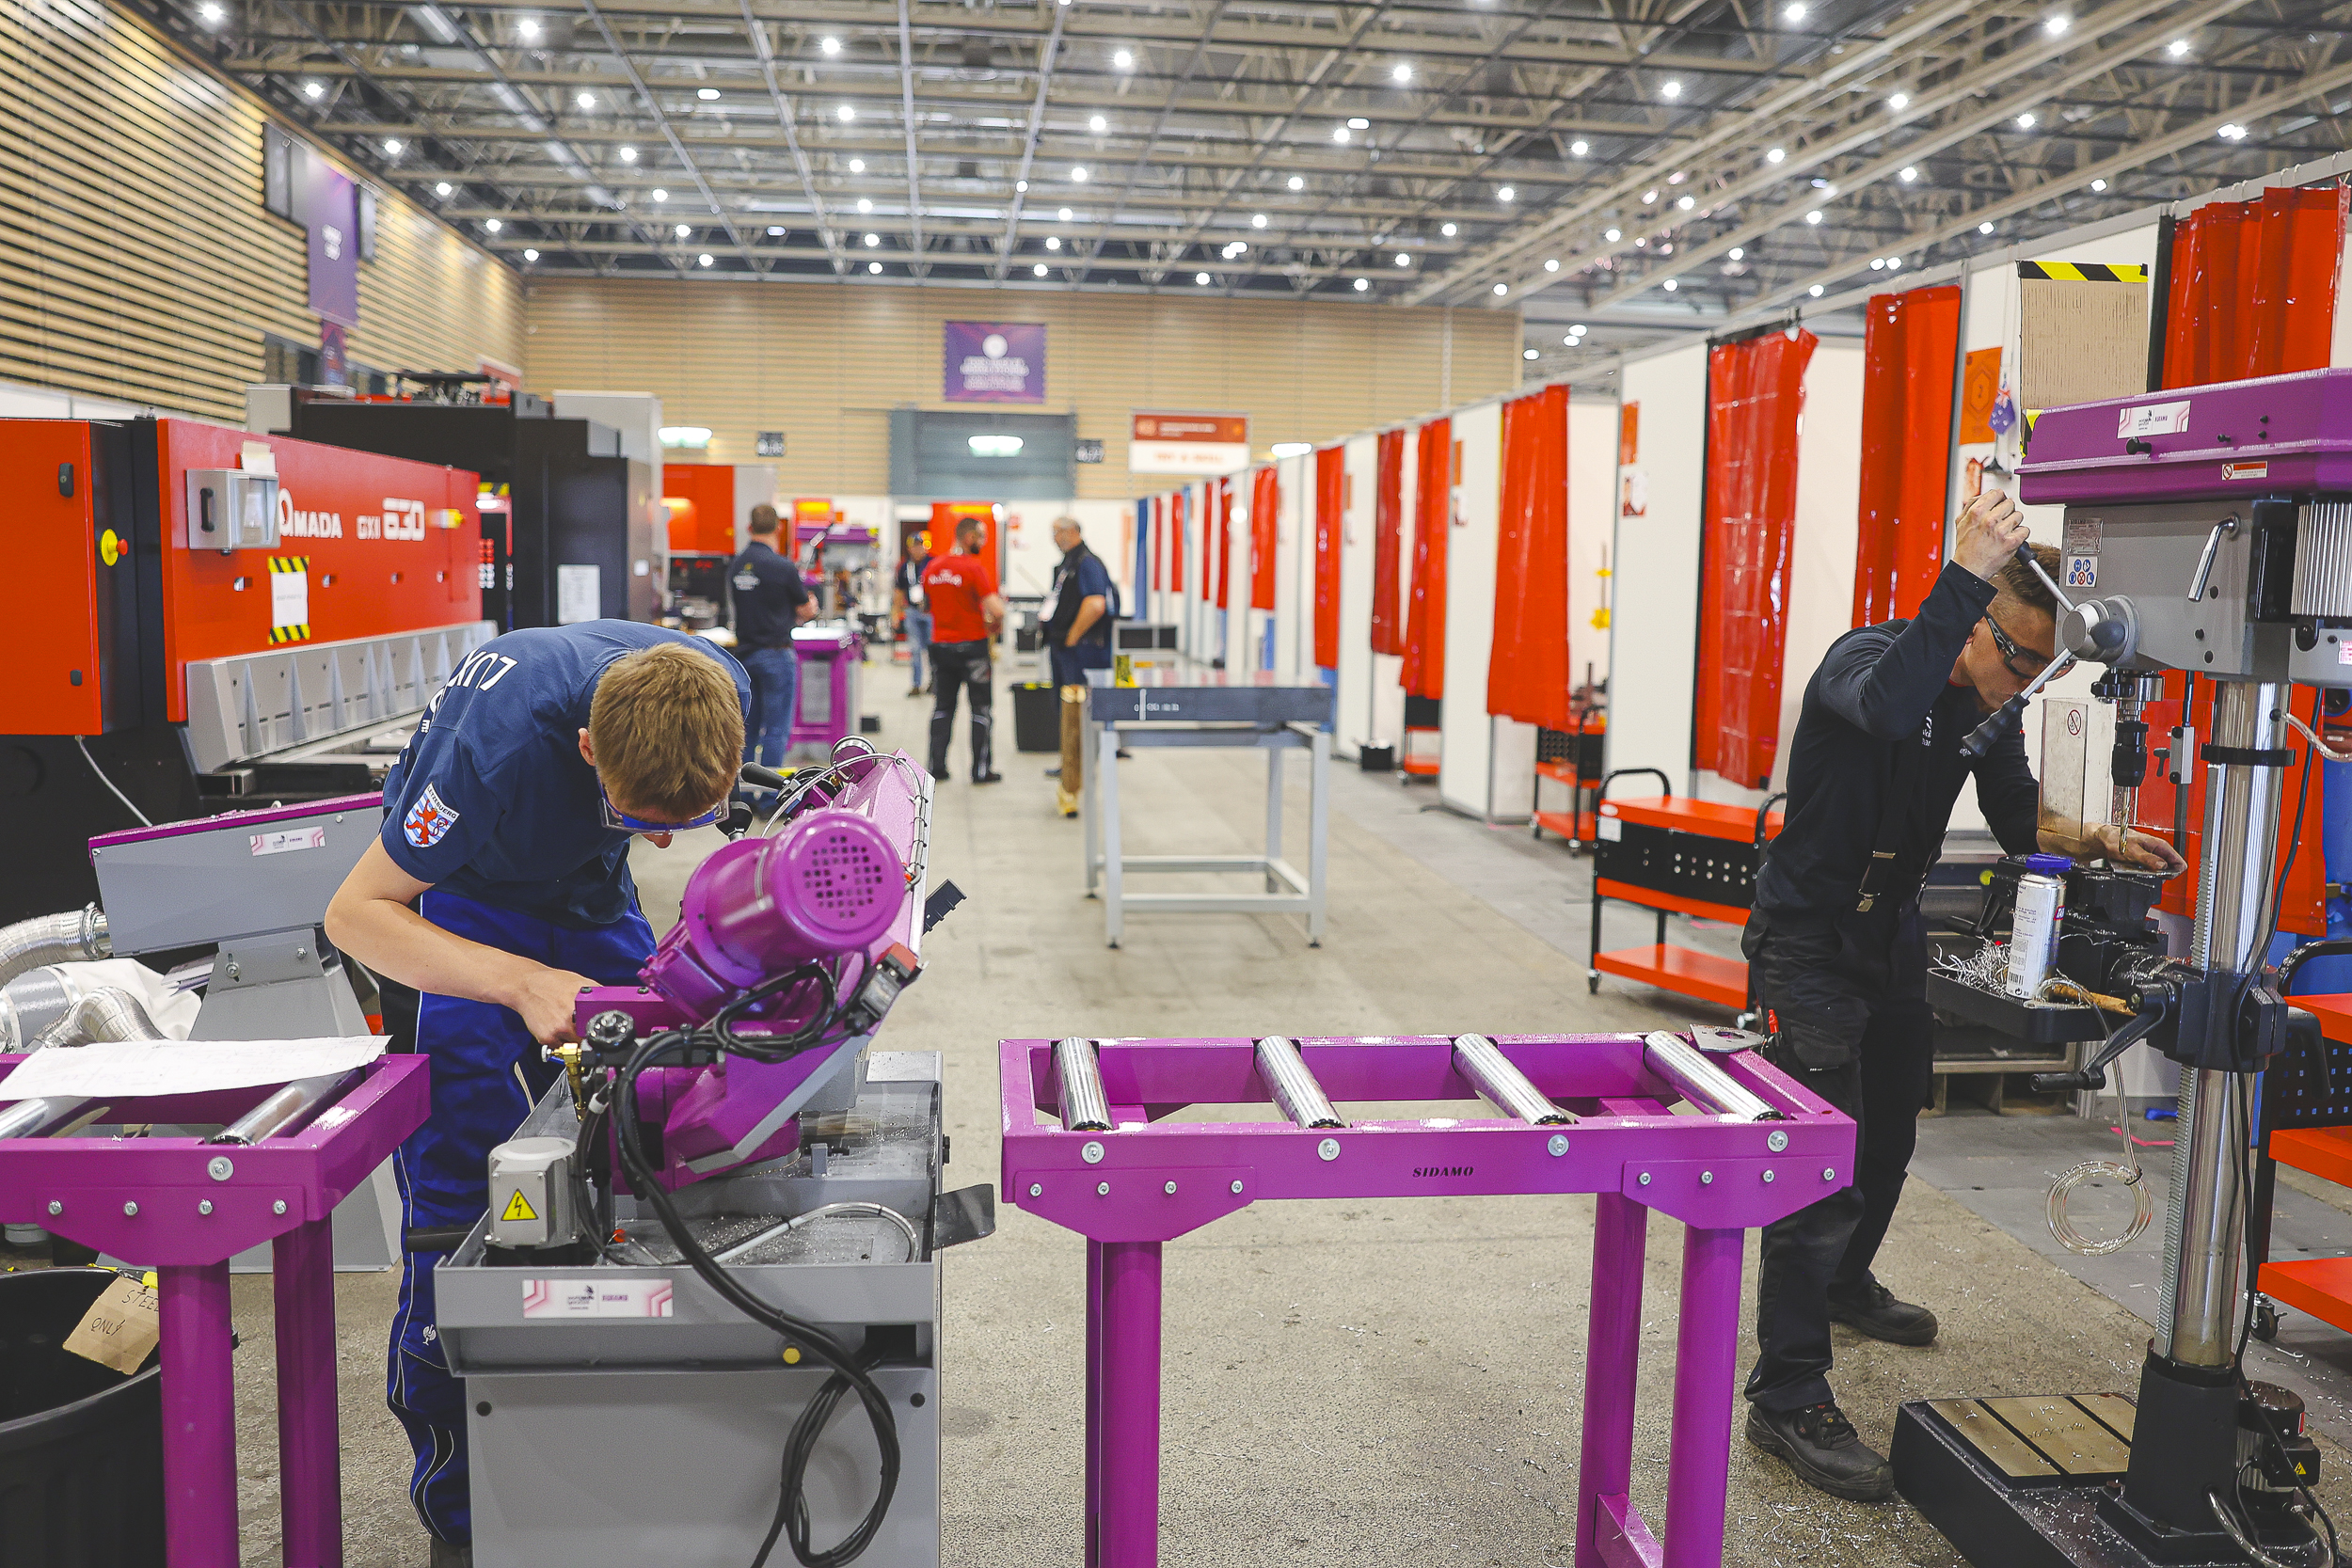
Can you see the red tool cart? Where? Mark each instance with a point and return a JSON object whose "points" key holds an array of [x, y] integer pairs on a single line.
{"points": [[1677, 855]]}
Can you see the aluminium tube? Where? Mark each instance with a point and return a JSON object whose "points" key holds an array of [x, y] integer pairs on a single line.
{"points": [[2204, 1239], [290, 1109], [107, 1013], [72, 935], [1701, 1081], [1501, 1083], [30, 1118], [1085, 1108], [1295, 1089]]}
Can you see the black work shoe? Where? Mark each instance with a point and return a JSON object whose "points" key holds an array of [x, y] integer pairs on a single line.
{"points": [[1822, 1447], [988, 778], [1874, 1310]]}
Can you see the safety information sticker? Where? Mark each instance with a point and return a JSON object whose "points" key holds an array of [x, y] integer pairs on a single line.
{"points": [[596, 1298]]}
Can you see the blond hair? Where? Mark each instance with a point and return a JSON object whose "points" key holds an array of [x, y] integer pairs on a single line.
{"points": [[666, 725]]}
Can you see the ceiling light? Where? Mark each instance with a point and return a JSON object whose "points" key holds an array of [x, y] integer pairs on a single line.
{"points": [[1894, 263], [703, 260], [1036, 271], [314, 90], [444, 188], [1298, 182], [1813, 217], [845, 113], [1236, 248], [874, 267], [661, 194], [1506, 193], [585, 100], [1686, 203], [682, 231], [994, 446], [1362, 284], [708, 95], [831, 46], [1736, 252], [1078, 174], [1569, 341], [1359, 123], [1552, 266], [1672, 90], [1826, 189], [1291, 448], [1449, 230], [1815, 291], [628, 154], [2177, 48], [1675, 178], [1793, 12], [2098, 184], [1502, 288], [1053, 242], [1775, 155], [1648, 197], [2233, 133], [1640, 239], [857, 166], [1529, 354], [1878, 263], [2025, 122], [1257, 220], [865, 205], [530, 255], [1338, 132], [211, 13], [528, 28], [1402, 259], [1123, 59], [392, 145], [493, 225], [1577, 149], [1613, 235], [775, 231], [2056, 26], [1671, 285], [1985, 227], [1097, 124], [1666, 249], [872, 240], [1908, 174], [1401, 71], [1898, 102], [1202, 278]]}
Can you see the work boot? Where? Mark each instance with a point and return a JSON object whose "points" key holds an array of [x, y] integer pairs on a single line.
{"points": [[1822, 1447], [988, 778], [1873, 1310]]}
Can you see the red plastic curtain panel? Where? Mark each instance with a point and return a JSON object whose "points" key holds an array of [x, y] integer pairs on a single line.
{"points": [[1754, 395], [1528, 677], [1909, 344], [1222, 521], [1387, 534], [1330, 496], [1423, 674], [2253, 286], [1265, 505]]}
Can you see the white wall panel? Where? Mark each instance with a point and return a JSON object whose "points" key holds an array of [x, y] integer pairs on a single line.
{"points": [[1655, 562], [1466, 739], [1592, 516], [1358, 526]]}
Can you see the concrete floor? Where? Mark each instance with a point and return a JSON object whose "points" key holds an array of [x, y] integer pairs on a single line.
{"points": [[1376, 1382]]}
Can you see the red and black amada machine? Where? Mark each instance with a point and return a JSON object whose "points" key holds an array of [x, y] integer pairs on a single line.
{"points": [[209, 620]]}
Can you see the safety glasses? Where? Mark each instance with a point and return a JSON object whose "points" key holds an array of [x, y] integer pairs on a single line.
{"points": [[620, 822], [2012, 653]]}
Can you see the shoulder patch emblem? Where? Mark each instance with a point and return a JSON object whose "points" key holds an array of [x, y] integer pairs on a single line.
{"points": [[428, 822]]}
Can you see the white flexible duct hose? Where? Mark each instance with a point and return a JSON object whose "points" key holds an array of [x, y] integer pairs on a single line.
{"points": [[75, 936], [107, 1013]]}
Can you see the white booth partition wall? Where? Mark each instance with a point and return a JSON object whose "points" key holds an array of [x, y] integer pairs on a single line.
{"points": [[1661, 480], [1592, 512], [1476, 774], [1293, 570], [1388, 668], [1351, 705]]}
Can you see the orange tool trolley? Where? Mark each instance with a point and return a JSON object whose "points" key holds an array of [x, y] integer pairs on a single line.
{"points": [[1675, 855], [1571, 757], [2307, 1123]]}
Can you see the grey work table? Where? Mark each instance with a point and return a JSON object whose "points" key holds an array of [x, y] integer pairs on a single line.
{"points": [[1210, 707]]}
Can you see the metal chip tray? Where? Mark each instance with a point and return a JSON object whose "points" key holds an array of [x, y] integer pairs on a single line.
{"points": [[2033, 1022]]}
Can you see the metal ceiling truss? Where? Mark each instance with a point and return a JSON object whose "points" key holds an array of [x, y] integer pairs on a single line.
{"points": [[1567, 158]]}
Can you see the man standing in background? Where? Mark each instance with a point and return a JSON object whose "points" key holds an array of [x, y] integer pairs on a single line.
{"points": [[915, 611], [1076, 620], [967, 609], [770, 600]]}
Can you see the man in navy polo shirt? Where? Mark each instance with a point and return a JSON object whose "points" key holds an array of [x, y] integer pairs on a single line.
{"points": [[498, 888]]}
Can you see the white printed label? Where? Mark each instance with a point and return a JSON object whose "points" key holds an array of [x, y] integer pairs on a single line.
{"points": [[596, 1298], [2343, 653], [579, 595], [289, 599], [2152, 418], [287, 840], [1613, 829]]}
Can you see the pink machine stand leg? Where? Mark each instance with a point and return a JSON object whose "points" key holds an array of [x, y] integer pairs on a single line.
{"points": [[1589, 1114], [199, 1404], [309, 1442]]}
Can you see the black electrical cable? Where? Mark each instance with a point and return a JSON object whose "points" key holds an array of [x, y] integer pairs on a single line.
{"points": [[849, 1370]]}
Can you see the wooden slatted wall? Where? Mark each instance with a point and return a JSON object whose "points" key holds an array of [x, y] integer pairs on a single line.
{"points": [[136, 259], [825, 363]]}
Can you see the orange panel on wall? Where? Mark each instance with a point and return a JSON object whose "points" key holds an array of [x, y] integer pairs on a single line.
{"points": [[706, 522]]}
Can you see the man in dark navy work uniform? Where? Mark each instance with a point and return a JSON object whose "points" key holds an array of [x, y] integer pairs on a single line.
{"points": [[770, 600], [1838, 959], [498, 888], [1076, 615], [967, 609]]}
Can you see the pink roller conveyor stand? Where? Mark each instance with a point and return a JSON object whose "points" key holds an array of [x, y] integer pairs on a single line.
{"points": [[1578, 1114], [186, 1206]]}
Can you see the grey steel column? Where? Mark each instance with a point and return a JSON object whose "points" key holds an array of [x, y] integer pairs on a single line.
{"points": [[1318, 836], [1273, 745], [2204, 1241], [1114, 873]]}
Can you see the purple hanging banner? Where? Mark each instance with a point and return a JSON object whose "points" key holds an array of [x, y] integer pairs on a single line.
{"points": [[995, 362], [330, 211]]}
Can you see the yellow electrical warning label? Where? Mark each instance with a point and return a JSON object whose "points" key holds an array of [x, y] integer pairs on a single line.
{"points": [[517, 1208]]}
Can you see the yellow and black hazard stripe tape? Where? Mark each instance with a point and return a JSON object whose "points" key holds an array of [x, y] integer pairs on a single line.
{"points": [[2081, 272], [290, 634], [289, 562]]}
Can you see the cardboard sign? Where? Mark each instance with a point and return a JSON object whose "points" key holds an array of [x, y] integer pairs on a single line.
{"points": [[120, 1326]]}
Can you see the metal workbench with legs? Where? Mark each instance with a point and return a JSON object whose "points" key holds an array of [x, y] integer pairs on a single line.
{"points": [[1228, 708]]}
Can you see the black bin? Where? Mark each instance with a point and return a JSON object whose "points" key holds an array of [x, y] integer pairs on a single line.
{"points": [[1037, 717], [80, 1445]]}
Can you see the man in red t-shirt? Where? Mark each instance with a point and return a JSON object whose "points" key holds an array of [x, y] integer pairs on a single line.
{"points": [[967, 609]]}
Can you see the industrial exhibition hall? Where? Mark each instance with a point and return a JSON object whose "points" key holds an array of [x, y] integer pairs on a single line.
{"points": [[980, 784]]}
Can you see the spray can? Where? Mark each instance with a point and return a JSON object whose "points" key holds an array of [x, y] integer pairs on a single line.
{"points": [[2033, 929]]}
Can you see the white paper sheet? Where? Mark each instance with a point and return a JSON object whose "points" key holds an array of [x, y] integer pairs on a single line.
{"points": [[126, 1067]]}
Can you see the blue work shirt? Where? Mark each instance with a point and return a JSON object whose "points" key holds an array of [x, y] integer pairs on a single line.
{"points": [[1080, 576], [491, 799]]}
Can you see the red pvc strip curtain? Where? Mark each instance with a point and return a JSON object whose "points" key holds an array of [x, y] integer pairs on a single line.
{"points": [[1423, 674], [1528, 677], [1754, 393], [1330, 487], [1909, 347], [1387, 534], [2253, 286], [1265, 505]]}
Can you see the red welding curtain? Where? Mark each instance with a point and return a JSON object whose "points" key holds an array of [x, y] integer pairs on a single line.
{"points": [[1526, 678], [1423, 674], [1265, 505], [1331, 496], [1908, 344], [1388, 532], [2253, 286], [1755, 396]]}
